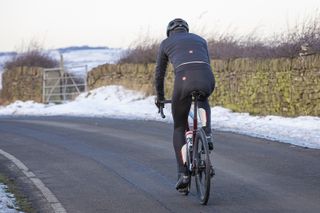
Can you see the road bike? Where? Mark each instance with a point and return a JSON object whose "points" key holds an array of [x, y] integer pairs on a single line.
{"points": [[196, 153]]}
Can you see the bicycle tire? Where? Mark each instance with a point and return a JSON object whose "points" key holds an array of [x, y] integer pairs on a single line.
{"points": [[202, 167]]}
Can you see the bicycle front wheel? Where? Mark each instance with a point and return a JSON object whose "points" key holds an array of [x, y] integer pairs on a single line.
{"points": [[202, 167]]}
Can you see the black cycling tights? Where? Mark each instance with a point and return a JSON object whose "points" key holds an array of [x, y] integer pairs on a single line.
{"points": [[180, 112]]}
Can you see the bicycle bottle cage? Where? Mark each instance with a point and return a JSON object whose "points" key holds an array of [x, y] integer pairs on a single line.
{"points": [[202, 117], [199, 95]]}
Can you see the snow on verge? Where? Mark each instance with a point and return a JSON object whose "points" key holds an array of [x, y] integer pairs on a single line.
{"points": [[111, 101], [301, 131], [7, 201], [117, 102]]}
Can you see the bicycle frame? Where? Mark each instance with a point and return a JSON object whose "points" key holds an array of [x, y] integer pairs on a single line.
{"points": [[195, 117], [194, 129]]}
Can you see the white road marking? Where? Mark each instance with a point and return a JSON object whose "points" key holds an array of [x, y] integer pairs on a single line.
{"points": [[50, 197]]}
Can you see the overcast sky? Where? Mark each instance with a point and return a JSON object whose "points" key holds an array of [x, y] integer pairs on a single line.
{"points": [[117, 23]]}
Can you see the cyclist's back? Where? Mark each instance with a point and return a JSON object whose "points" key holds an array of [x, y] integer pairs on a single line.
{"points": [[182, 47], [189, 56]]}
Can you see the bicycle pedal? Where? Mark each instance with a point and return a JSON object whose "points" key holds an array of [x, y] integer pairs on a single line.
{"points": [[201, 165]]}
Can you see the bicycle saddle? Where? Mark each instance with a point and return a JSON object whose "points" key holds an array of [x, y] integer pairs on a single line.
{"points": [[200, 95]]}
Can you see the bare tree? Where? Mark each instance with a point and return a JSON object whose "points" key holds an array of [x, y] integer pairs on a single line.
{"points": [[301, 39], [32, 56]]}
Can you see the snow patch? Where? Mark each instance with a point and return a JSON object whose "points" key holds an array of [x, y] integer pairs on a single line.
{"points": [[7, 201]]}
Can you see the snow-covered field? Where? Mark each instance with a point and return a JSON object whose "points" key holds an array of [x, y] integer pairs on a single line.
{"points": [[3, 59], [90, 57]]}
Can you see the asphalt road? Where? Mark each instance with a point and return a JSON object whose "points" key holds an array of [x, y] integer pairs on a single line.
{"points": [[109, 165]]}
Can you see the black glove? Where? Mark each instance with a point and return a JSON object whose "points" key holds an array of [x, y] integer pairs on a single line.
{"points": [[159, 103]]}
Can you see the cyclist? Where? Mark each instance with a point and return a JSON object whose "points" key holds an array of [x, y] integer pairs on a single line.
{"points": [[189, 56]]}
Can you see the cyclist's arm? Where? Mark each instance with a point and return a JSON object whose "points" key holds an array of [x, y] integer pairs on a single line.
{"points": [[161, 67], [208, 54]]}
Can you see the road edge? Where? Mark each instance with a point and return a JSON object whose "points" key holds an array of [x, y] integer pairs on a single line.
{"points": [[46, 192]]}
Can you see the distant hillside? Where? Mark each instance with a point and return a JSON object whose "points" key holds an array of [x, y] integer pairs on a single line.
{"points": [[76, 48], [7, 53], [64, 49]]}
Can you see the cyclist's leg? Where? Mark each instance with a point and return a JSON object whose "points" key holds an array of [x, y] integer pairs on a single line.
{"points": [[180, 111], [179, 140]]}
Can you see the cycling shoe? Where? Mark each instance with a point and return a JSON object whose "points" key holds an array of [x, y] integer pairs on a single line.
{"points": [[183, 181]]}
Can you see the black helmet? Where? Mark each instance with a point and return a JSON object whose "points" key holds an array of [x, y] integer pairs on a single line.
{"points": [[178, 22]]}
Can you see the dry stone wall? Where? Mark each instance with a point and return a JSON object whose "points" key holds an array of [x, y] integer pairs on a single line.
{"points": [[277, 86], [22, 83], [289, 87]]}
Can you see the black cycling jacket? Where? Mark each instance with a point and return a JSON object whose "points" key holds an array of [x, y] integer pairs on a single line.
{"points": [[182, 49]]}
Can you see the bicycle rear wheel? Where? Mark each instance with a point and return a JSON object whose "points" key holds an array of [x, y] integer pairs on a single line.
{"points": [[202, 167]]}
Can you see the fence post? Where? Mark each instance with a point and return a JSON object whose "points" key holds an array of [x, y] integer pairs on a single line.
{"points": [[43, 86], [85, 79]]}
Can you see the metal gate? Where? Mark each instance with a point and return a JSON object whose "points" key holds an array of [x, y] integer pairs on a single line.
{"points": [[63, 84]]}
